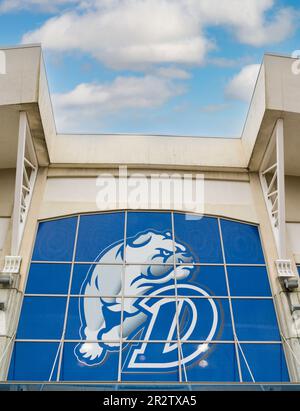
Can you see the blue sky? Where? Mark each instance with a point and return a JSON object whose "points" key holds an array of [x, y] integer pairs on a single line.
{"points": [[184, 67]]}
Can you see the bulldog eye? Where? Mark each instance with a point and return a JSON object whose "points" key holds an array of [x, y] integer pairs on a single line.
{"points": [[162, 253], [166, 253]]}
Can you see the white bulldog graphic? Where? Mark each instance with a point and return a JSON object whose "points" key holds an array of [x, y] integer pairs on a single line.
{"points": [[100, 317]]}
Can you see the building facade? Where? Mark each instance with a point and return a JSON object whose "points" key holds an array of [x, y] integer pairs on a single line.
{"points": [[140, 259]]}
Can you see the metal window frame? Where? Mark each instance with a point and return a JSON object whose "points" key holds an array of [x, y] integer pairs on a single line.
{"points": [[237, 354], [72, 341], [229, 298], [62, 340]]}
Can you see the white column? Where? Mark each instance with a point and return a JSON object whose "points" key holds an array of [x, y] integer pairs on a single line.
{"points": [[281, 190]]}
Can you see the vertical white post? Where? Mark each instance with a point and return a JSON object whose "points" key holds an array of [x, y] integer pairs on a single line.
{"points": [[281, 190], [18, 184]]}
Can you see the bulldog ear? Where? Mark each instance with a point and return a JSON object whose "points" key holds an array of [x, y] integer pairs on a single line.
{"points": [[168, 234], [142, 239]]}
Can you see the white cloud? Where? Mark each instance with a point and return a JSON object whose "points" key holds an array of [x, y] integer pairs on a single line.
{"points": [[127, 34], [94, 101], [242, 85], [138, 33], [173, 72], [247, 19], [159, 36], [35, 5]]}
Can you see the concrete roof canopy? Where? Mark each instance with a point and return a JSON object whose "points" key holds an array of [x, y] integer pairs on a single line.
{"points": [[24, 87]]}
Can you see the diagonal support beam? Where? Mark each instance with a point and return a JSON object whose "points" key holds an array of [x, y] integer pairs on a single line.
{"points": [[18, 184], [273, 184], [26, 171], [281, 190]]}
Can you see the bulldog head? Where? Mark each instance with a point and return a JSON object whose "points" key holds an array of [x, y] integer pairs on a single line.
{"points": [[157, 256]]}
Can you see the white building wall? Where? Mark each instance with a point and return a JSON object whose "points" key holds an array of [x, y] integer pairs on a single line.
{"points": [[7, 185], [293, 230], [293, 215], [292, 186], [4, 222], [65, 196]]}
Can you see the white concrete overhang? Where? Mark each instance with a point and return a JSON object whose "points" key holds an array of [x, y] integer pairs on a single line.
{"points": [[21, 90], [276, 95], [146, 151], [25, 87]]}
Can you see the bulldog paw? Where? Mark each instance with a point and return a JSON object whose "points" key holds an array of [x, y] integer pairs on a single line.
{"points": [[111, 338], [183, 272], [89, 353]]}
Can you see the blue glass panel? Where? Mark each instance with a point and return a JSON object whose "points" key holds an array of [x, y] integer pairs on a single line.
{"points": [[73, 330], [266, 362], [204, 319], [201, 236], [100, 311], [48, 279], [214, 362], [255, 320], [100, 238], [42, 318], [55, 240], [33, 362], [150, 362], [149, 238], [249, 281], [298, 269], [149, 279], [96, 279], [73, 369], [241, 243], [211, 279], [142, 221]]}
